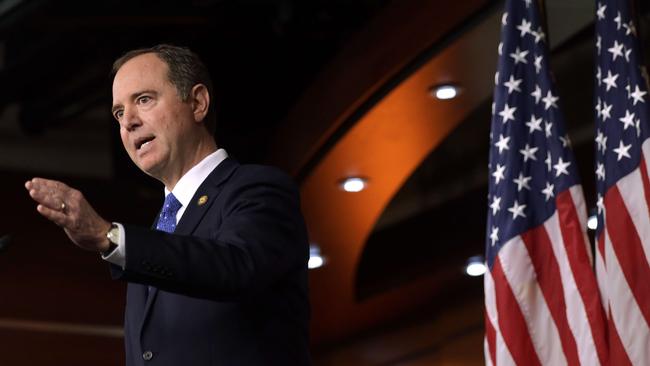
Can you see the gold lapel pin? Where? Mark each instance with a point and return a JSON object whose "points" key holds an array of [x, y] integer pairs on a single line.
{"points": [[202, 200]]}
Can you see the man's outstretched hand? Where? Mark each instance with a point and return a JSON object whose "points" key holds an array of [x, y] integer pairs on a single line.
{"points": [[68, 208]]}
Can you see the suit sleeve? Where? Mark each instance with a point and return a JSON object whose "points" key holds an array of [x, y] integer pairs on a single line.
{"points": [[257, 237]]}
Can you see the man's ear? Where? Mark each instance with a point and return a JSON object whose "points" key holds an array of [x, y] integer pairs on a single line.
{"points": [[200, 102]]}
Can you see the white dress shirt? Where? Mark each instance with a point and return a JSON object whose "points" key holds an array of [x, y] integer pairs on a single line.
{"points": [[183, 191]]}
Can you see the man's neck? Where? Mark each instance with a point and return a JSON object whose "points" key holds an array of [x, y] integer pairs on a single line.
{"points": [[203, 149]]}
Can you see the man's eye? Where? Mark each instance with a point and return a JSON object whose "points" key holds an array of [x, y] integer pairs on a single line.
{"points": [[118, 114], [144, 99]]}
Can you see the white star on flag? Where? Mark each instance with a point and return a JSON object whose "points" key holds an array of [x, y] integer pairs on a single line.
{"points": [[517, 210], [627, 55], [513, 84], [600, 204], [560, 167], [535, 124], [637, 95], [522, 182], [494, 235], [628, 120], [601, 11], [629, 29], [524, 27], [549, 100], [616, 50], [538, 63], [519, 56], [566, 141], [529, 152], [600, 171], [502, 144], [495, 205], [618, 20], [539, 35], [622, 150], [548, 191], [610, 80], [498, 173], [537, 93], [508, 113], [601, 140], [547, 128], [605, 111]]}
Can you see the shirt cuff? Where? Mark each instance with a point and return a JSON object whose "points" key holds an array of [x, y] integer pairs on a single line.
{"points": [[118, 255]]}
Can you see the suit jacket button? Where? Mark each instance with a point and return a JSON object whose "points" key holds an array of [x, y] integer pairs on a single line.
{"points": [[147, 355]]}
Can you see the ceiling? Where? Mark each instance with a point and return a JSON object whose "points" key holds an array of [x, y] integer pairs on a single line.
{"points": [[55, 59], [322, 89]]}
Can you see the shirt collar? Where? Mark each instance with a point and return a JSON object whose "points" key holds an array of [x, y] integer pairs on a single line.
{"points": [[190, 182]]}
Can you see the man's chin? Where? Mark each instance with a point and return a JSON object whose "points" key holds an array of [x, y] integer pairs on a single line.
{"points": [[149, 167]]}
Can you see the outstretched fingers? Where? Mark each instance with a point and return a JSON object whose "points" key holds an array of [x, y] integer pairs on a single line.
{"points": [[51, 198], [56, 216]]}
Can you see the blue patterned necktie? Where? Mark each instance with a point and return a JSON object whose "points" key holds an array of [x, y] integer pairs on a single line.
{"points": [[167, 219]]}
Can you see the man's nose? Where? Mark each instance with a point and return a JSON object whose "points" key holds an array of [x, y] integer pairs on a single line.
{"points": [[130, 119]]}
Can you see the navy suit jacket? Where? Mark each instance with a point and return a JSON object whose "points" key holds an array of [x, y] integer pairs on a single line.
{"points": [[230, 282]]}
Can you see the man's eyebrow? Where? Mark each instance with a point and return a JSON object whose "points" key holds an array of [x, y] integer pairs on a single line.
{"points": [[133, 96], [115, 108]]}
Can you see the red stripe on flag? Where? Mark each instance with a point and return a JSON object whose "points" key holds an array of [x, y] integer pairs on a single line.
{"points": [[646, 183], [491, 337], [601, 246], [511, 321], [617, 352], [549, 278], [627, 247], [580, 263]]}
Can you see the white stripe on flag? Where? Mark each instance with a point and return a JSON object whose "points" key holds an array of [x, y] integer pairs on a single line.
{"points": [[578, 198], [490, 306], [486, 352], [519, 271], [575, 308], [645, 152], [631, 188], [626, 316], [601, 277], [502, 356]]}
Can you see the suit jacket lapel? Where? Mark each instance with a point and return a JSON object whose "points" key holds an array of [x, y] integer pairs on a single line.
{"points": [[197, 207], [204, 196]]}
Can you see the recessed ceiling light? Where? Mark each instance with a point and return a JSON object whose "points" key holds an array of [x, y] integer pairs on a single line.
{"points": [[353, 184], [475, 266], [445, 91], [315, 258]]}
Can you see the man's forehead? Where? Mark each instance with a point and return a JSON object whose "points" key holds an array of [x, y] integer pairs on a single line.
{"points": [[141, 66], [141, 72]]}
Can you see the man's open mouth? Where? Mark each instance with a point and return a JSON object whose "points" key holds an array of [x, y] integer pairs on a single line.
{"points": [[143, 141]]}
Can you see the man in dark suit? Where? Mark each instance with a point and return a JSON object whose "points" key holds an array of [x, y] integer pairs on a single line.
{"points": [[222, 280]]}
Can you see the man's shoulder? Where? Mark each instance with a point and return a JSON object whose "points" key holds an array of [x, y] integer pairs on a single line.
{"points": [[252, 173], [254, 180]]}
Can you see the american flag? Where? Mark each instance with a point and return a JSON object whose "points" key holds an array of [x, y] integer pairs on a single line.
{"points": [[541, 295], [622, 151]]}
